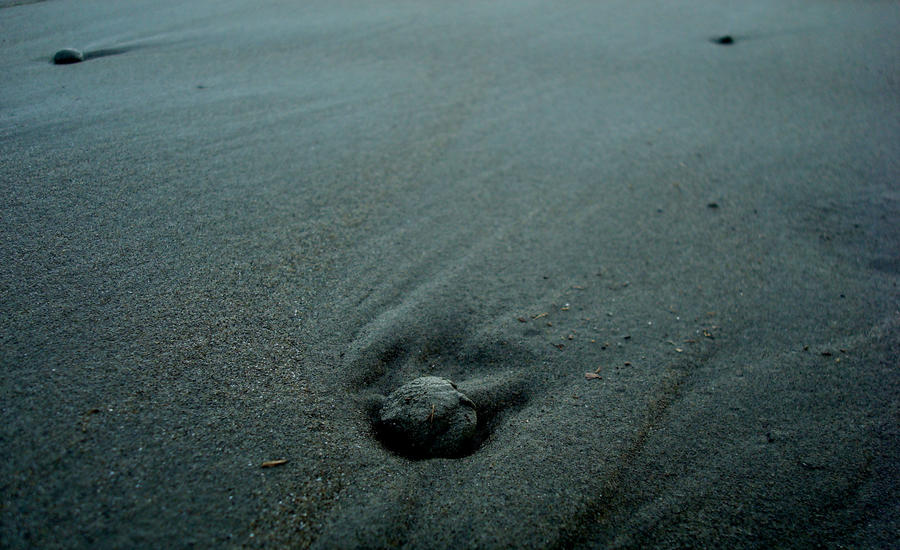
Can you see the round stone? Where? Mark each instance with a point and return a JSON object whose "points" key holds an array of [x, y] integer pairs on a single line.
{"points": [[67, 55], [428, 417]]}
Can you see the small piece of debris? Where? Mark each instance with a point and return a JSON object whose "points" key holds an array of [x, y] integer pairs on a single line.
{"points": [[522, 320], [627, 363], [539, 315], [712, 205], [810, 466], [592, 375], [273, 463], [724, 40], [86, 416]]}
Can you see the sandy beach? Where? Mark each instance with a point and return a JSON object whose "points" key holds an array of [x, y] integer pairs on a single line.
{"points": [[663, 267]]}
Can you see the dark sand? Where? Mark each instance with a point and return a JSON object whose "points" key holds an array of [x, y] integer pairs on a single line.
{"points": [[237, 224]]}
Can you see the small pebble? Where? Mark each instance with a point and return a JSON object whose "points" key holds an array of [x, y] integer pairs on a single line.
{"points": [[67, 56], [725, 40], [428, 417]]}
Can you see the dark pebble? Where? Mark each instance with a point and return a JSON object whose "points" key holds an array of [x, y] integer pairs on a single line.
{"points": [[67, 56], [428, 417], [726, 40]]}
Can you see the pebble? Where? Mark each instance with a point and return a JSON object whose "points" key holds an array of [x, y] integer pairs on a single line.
{"points": [[67, 56], [428, 417]]}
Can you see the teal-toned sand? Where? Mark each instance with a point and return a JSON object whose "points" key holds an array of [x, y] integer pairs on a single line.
{"points": [[236, 226]]}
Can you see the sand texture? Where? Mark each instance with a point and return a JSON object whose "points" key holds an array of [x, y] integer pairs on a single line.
{"points": [[662, 267]]}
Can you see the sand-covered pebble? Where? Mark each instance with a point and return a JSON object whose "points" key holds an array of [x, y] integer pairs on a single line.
{"points": [[67, 56], [428, 417]]}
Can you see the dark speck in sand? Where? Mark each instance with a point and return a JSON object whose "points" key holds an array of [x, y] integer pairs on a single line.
{"points": [[725, 40], [67, 56]]}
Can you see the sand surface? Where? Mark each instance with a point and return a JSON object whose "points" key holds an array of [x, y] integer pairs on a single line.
{"points": [[237, 225]]}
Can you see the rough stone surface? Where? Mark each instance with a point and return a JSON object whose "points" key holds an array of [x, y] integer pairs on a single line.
{"points": [[428, 417], [67, 55]]}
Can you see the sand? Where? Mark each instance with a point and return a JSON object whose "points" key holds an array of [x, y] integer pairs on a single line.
{"points": [[236, 226]]}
